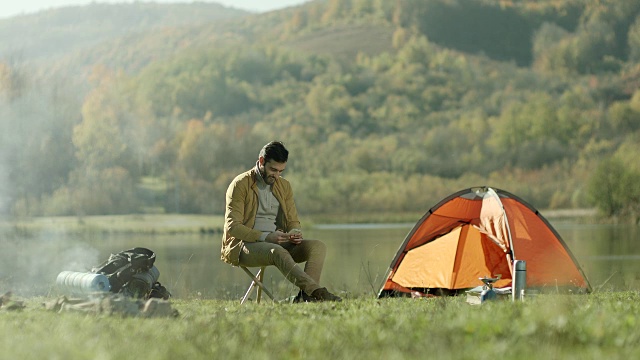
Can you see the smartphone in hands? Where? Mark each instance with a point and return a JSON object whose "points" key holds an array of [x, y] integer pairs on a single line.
{"points": [[295, 236]]}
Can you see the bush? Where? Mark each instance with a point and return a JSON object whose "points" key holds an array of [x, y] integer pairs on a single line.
{"points": [[614, 188]]}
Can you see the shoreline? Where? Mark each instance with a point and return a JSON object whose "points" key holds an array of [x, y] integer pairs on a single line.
{"points": [[157, 224]]}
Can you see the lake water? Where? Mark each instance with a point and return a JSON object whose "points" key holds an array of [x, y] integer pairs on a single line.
{"points": [[357, 260]]}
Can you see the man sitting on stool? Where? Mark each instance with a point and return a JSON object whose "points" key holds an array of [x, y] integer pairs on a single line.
{"points": [[262, 227]]}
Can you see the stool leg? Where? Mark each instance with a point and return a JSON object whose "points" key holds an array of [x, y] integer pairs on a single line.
{"points": [[260, 277], [255, 282], [246, 295]]}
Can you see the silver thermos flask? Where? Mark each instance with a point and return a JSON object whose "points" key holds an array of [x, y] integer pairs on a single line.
{"points": [[519, 280]]}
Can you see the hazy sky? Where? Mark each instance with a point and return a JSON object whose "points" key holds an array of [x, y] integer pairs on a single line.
{"points": [[10, 8]]}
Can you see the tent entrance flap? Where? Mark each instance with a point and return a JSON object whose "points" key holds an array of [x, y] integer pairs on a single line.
{"points": [[455, 260], [429, 265]]}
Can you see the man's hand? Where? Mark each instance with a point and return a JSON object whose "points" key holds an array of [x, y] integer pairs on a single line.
{"points": [[295, 236], [279, 237]]}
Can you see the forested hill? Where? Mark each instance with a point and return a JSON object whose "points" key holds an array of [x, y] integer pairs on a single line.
{"points": [[386, 106], [63, 30]]}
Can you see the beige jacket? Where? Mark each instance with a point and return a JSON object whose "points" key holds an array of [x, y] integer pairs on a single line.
{"points": [[241, 209]]}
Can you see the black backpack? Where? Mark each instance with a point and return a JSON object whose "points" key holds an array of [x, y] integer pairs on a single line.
{"points": [[131, 272]]}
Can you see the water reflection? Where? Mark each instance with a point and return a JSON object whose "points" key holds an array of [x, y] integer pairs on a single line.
{"points": [[357, 260], [190, 266], [608, 254]]}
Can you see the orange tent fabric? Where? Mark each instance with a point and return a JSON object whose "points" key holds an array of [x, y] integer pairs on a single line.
{"points": [[479, 232]]}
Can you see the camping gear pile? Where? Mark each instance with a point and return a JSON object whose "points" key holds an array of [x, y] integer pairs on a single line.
{"points": [[126, 284], [480, 233], [130, 273]]}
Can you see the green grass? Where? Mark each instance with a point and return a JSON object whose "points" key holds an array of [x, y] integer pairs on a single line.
{"points": [[601, 325]]}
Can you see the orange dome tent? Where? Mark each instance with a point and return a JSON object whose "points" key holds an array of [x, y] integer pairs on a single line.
{"points": [[479, 232]]}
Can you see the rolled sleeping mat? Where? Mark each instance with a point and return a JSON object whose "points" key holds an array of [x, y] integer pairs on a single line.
{"points": [[82, 283]]}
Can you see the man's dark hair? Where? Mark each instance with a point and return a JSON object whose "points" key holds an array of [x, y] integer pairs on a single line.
{"points": [[275, 151]]}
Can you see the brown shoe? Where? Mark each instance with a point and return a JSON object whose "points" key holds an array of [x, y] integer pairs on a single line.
{"points": [[303, 297], [323, 294]]}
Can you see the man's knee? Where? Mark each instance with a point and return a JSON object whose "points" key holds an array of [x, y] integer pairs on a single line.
{"points": [[317, 247]]}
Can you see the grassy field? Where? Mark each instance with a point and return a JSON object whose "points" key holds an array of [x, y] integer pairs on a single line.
{"points": [[600, 325], [346, 41]]}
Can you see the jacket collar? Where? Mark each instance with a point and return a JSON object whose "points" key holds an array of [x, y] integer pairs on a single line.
{"points": [[258, 176]]}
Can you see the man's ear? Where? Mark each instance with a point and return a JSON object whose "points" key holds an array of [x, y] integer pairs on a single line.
{"points": [[261, 160]]}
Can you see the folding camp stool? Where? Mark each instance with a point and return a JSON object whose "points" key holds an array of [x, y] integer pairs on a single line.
{"points": [[257, 282]]}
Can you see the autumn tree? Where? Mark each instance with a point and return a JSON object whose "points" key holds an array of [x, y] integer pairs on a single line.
{"points": [[104, 143]]}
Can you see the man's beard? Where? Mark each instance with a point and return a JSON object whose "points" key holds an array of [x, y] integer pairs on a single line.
{"points": [[270, 180]]}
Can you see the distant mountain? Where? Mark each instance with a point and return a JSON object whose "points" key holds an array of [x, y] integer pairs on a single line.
{"points": [[60, 31]]}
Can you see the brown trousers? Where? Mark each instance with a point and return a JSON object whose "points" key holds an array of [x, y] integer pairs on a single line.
{"points": [[285, 257]]}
